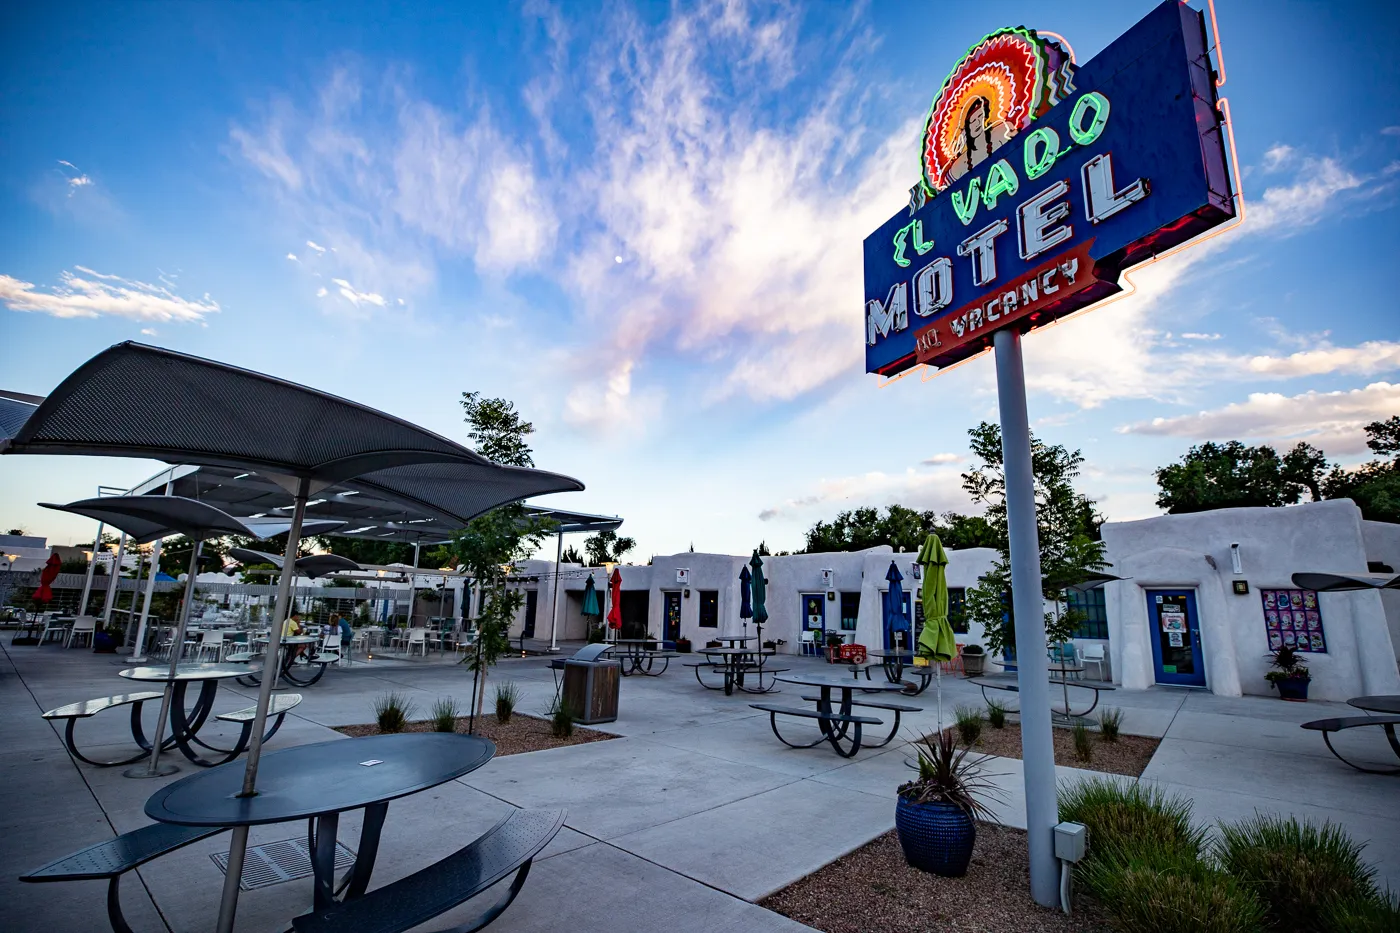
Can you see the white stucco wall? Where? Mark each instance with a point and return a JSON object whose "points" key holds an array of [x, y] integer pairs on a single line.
{"points": [[1171, 551]]}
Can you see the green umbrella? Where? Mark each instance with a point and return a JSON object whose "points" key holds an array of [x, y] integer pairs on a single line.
{"points": [[590, 599], [936, 640], [760, 590]]}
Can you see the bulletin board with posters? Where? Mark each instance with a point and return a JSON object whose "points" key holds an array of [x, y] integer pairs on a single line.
{"points": [[1293, 619]]}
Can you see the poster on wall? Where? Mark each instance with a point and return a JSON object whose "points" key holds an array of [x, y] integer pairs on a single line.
{"points": [[1293, 619]]}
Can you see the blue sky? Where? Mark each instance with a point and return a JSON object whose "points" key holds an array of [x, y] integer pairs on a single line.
{"points": [[642, 223]]}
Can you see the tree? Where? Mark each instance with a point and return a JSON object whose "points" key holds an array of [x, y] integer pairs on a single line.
{"points": [[365, 551], [763, 549], [899, 527], [606, 547], [175, 554], [1067, 524], [571, 556], [1373, 486], [1232, 475], [492, 543]]}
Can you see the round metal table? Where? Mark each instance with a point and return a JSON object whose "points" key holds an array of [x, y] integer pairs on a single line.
{"points": [[319, 782], [1390, 705], [185, 724], [289, 658]]}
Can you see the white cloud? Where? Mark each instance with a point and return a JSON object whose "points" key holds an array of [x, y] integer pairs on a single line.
{"points": [[1277, 156], [321, 292], [941, 459], [1390, 131], [148, 331], [939, 490], [93, 294], [1306, 201], [1190, 336], [319, 249], [1331, 420], [293, 257], [356, 297]]}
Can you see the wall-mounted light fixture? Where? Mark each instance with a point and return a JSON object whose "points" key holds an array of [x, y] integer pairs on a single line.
{"points": [[687, 594], [1235, 557]]}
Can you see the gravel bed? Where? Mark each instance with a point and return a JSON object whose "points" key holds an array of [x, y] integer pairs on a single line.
{"points": [[1129, 755], [522, 734], [874, 889]]}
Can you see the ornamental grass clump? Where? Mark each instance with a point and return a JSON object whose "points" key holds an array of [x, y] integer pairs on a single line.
{"points": [[1298, 870], [947, 775], [996, 714], [1132, 814], [445, 715], [1110, 722], [561, 720], [1147, 888], [969, 724], [1378, 914], [391, 711], [1083, 744], [507, 696]]}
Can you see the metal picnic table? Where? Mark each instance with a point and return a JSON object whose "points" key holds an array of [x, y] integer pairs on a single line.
{"points": [[838, 722], [185, 724]]}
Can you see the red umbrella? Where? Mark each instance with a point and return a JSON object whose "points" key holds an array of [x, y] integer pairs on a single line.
{"points": [[49, 574], [615, 596]]}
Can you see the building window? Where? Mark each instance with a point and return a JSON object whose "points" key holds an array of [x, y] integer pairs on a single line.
{"points": [[957, 609], [850, 611], [709, 608], [1091, 604]]}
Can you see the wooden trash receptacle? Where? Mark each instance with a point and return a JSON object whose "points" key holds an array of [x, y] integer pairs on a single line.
{"points": [[591, 688]]}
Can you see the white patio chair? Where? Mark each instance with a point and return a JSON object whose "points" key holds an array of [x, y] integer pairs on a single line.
{"points": [[211, 646], [1095, 655], [418, 637], [329, 651], [809, 641], [83, 626], [53, 627]]}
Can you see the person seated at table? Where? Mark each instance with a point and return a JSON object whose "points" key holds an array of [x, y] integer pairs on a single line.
{"points": [[341, 626], [292, 627]]}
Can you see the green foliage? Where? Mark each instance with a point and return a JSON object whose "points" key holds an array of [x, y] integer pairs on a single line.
{"points": [[762, 550], [561, 719], [1298, 870], [175, 555], [1286, 664], [1378, 914], [1083, 744], [363, 551], [1232, 475], [445, 715], [507, 695], [1131, 814], [74, 565], [391, 711], [571, 556], [947, 775], [498, 430], [1110, 720], [1373, 486], [899, 527], [996, 714], [606, 547], [969, 724], [1150, 890]]}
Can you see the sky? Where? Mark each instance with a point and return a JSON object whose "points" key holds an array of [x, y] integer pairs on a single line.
{"points": [[642, 223]]}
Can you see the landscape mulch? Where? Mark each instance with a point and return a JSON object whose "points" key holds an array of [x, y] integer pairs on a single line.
{"points": [[874, 889], [1129, 755], [522, 734]]}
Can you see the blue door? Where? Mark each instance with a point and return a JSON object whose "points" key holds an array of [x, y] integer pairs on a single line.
{"points": [[1176, 637], [906, 642], [814, 621], [672, 621]]}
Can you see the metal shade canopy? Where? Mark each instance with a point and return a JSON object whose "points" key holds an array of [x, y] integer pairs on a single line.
{"points": [[146, 518], [15, 409], [570, 522], [312, 565], [1345, 582]]}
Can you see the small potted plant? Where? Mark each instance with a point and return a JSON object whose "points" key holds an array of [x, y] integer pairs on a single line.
{"points": [[1289, 673], [974, 660], [935, 813], [683, 645], [834, 641], [103, 641]]}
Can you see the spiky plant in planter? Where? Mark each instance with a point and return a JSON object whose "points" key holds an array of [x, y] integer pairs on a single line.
{"points": [[935, 811], [1289, 673]]}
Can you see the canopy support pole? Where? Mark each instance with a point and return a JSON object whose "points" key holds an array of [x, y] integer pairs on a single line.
{"points": [[1037, 748], [135, 591], [92, 567], [113, 582], [138, 653], [554, 598], [238, 842], [412, 590]]}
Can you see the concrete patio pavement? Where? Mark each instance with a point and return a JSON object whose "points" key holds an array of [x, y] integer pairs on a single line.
{"points": [[680, 824]]}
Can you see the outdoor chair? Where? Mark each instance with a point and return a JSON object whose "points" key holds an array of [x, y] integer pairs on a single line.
{"points": [[1095, 655], [211, 646], [83, 626], [417, 637], [809, 642], [53, 626], [329, 650]]}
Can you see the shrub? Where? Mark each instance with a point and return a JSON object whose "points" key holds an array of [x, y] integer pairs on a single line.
{"points": [[1298, 869], [947, 775], [507, 695], [969, 721], [1148, 888], [996, 714], [561, 720], [1083, 745], [1132, 815], [445, 715], [1379, 914], [1109, 722], [391, 711]]}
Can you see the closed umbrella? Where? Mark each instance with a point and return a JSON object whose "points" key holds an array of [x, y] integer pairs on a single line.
{"points": [[49, 574], [760, 591], [936, 640], [591, 609], [745, 597], [895, 620], [615, 595]]}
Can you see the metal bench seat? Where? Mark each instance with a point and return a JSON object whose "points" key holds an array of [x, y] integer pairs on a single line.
{"points": [[279, 707], [510, 846], [116, 857], [1012, 686], [816, 714], [88, 708], [1340, 723], [833, 726], [896, 708]]}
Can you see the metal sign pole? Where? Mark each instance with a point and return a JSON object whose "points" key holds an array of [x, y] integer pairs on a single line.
{"points": [[138, 653], [554, 600], [1037, 747], [92, 568]]}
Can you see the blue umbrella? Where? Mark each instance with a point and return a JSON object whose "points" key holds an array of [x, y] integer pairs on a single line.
{"points": [[745, 595], [895, 620]]}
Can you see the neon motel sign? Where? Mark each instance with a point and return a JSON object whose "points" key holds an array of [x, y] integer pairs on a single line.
{"points": [[1042, 182]]}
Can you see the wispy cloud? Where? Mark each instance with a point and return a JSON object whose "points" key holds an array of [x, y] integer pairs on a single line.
{"points": [[293, 257], [1331, 420], [93, 294], [942, 459], [355, 296], [940, 490]]}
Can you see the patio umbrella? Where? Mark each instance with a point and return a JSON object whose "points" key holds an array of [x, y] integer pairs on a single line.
{"points": [[591, 609], [134, 400], [312, 565], [745, 597], [46, 576], [615, 597], [760, 591], [147, 518], [895, 619], [936, 640]]}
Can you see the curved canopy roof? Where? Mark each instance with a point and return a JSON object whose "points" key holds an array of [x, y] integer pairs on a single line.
{"points": [[1345, 582], [133, 400], [15, 409], [146, 518], [312, 565]]}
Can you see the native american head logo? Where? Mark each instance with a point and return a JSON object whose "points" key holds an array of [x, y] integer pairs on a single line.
{"points": [[996, 90]]}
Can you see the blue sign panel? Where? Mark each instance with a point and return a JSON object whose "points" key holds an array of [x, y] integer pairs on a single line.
{"points": [[1040, 220]]}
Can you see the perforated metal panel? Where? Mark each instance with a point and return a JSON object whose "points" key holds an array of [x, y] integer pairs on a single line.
{"points": [[275, 862]]}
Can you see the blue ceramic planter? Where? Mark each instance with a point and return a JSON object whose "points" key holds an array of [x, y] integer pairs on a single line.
{"points": [[936, 837]]}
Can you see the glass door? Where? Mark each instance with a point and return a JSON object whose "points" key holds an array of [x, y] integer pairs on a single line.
{"points": [[672, 618], [814, 621], [1176, 637]]}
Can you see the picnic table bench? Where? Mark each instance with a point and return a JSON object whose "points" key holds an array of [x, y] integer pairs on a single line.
{"points": [[1389, 706], [85, 709], [1009, 683], [896, 708]]}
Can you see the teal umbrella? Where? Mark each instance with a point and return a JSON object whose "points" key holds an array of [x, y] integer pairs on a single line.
{"points": [[936, 640], [591, 609], [760, 590]]}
